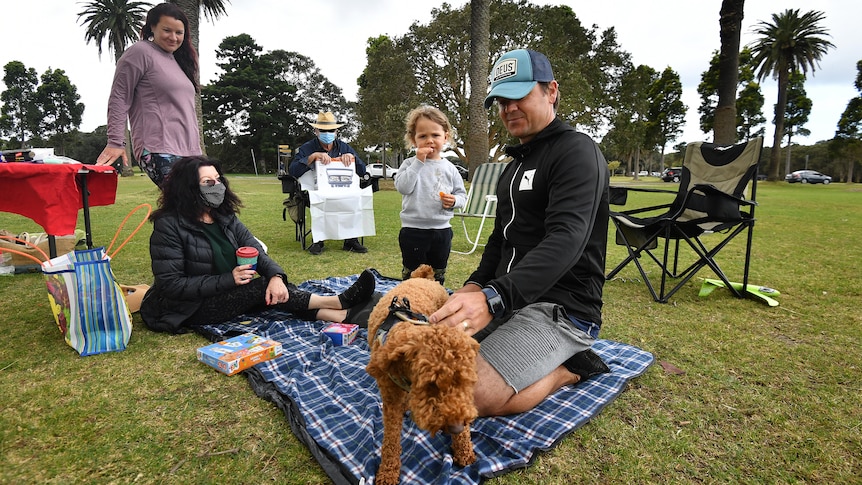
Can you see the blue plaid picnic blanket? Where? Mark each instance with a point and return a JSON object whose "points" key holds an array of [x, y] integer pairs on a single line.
{"points": [[333, 405]]}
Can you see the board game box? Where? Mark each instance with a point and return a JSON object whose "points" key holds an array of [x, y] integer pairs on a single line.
{"points": [[342, 333], [238, 353]]}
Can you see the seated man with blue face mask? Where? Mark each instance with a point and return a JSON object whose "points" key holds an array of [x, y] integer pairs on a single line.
{"points": [[324, 148]]}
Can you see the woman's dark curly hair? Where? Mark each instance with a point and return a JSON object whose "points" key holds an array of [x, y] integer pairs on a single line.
{"points": [[181, 191], [186, 55]]}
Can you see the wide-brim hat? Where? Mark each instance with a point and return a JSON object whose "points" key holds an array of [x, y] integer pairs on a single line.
{"points": [[516, 73], [326, 121]]}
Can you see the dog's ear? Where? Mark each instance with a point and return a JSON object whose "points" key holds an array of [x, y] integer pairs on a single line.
{"points": [[386, 358]]}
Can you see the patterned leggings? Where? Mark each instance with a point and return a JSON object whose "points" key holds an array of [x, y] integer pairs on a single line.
{"points": [[250, 298], [157, 165]]}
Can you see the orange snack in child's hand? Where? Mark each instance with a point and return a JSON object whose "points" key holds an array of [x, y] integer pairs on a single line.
{"points": [[442, 194]]}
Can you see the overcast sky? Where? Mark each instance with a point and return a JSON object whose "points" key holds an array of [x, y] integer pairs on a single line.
{"points": [[681, 34]]}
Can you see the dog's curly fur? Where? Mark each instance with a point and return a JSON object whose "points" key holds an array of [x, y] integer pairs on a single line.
{"points": [[438, 361]]}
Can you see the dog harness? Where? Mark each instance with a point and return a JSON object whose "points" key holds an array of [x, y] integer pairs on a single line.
{"points": [[399, 312]]}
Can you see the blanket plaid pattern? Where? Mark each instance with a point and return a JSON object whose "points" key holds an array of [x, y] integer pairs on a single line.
{"points": [[333, 405]]}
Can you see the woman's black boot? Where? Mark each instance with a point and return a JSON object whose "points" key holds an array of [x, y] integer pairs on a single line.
{"points": [[359, 291]]}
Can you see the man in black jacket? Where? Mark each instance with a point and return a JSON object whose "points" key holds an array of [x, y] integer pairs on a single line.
{"points": [[535, 300]]}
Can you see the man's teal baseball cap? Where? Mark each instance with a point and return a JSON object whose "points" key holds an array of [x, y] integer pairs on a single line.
{"points": [[516, 73]]}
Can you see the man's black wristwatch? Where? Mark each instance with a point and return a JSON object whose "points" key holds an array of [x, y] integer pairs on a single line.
{"points": [[495, 302]]}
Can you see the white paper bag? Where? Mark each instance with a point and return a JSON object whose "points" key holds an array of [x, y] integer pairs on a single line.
{"points": [[339, 208]]}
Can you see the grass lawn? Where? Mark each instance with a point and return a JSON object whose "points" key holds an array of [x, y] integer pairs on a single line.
{"points": [[768, 395]]}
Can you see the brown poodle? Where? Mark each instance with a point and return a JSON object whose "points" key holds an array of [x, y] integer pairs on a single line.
{"points": [[428, 369]]}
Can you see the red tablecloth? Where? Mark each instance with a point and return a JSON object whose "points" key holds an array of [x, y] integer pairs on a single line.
{"points": [[50, 194]]}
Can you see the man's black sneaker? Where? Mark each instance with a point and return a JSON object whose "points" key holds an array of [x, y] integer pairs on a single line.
{"points": [[316, 248], [359, 313], [354, 246], [586, 364]]}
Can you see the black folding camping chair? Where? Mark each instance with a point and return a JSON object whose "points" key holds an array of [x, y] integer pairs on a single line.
{"points": [[717, 195], [294, 206]]}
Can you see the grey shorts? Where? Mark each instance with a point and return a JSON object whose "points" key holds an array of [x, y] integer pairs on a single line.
{"points": [[533, 342]]}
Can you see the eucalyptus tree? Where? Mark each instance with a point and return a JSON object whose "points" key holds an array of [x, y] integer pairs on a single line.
{"points": [[749, 112], [630, 121], [790, 43], [387, 92], [59, 106], [848, 135], [235, 103], [796, 114], [666, 111], [587, 65], [439, 54], [117, 23], [262, 100], [305, 92], [749, 100], [19, 116]]}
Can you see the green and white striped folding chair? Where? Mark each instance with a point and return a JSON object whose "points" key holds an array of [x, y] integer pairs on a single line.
{"points": [[481, 201]]}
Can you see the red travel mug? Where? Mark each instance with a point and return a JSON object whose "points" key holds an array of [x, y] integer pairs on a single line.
{"points": [[247, 255]]}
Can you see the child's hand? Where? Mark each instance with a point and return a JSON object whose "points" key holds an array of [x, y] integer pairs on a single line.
{"points": [[448, 200], [422, 153]]}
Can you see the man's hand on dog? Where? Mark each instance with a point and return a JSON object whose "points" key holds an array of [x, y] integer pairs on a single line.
{"points": [[466, 309]]}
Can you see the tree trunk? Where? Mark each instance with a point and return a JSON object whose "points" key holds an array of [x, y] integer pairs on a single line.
{"points": [[476, 147], [780, 111], [192, 9], [787, 161], [730, 20]]}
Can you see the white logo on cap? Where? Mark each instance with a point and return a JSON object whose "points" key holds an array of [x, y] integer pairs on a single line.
{"points": [[505, 69]]}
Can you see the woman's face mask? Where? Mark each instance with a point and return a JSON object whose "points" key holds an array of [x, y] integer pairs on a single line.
{"points": [[213, 196], [326, 138]]}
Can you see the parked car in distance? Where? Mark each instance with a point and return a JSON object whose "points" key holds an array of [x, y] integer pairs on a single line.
{"points": [[376, 170], [672, 174], [808, 177]]}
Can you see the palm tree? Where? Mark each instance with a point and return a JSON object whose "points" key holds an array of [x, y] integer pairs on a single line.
{"points": [[119, 22], [791, 43], [730, 21], [212, 9], [477, 134]]}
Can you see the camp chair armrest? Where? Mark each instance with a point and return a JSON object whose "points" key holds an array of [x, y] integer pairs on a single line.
{"points": [[711, 191], [618, 195], [641, 210]]}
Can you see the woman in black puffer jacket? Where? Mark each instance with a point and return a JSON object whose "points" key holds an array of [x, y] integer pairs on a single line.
{"points": [[193, 249]]}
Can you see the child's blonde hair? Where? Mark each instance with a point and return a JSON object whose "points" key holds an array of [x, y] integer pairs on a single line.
{"points": [[433, 114]]}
